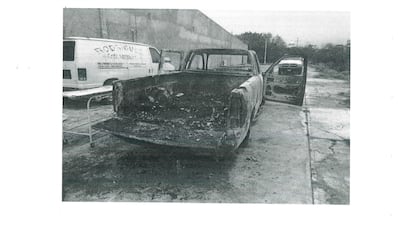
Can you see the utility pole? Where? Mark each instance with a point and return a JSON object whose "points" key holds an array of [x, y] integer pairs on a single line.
{"points": [[265, 51], [100, 23], [297, 42]]}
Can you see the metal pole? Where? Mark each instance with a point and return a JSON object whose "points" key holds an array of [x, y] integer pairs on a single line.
{"points": [[100, 23], [89, 121], [265, 51]]}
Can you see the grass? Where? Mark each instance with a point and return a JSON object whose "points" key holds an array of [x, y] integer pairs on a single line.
{"points": [[325, 72]]}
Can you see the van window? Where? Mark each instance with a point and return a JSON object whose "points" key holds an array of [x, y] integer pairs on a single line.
{"points": [[155, 55], [68, 50]]}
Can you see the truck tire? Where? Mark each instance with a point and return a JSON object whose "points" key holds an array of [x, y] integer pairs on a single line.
{"points": [[263, 101], [300, 98], [299, 102], [245, 141]]}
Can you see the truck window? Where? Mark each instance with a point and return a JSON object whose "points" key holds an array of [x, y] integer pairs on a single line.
{"points": [[155, 55], [196, 62], [220, 62], [68, 50]]}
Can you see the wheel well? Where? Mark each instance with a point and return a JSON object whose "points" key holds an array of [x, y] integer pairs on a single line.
{"points": [[109, 81]]}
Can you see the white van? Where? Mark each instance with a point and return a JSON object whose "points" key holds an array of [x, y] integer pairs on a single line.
{"points": [[93, 62]]}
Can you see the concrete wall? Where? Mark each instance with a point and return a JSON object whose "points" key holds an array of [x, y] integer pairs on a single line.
{"points": [[169, 28]]}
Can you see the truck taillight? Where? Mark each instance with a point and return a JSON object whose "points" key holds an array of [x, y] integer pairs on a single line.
{"points": [[235, 112], [82, 74]]}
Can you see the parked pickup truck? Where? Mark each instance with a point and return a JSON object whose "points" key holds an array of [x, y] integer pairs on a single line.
{"points": [[209, 104]]}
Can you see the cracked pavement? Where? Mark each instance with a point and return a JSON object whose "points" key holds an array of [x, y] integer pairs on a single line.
{"points": [[328, 103]]}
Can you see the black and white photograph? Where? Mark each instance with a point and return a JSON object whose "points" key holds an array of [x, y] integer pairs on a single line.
{"points": [[170, 105], [206, 114]]}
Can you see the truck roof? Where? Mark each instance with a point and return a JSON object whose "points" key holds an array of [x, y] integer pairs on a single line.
{"points": [[102, 39], [222, 51]]}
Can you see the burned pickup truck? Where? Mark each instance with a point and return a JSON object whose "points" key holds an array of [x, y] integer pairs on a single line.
{"points": [[209, 104]]}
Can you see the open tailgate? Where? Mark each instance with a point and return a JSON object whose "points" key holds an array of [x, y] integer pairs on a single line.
{"points": [[162, 134]]}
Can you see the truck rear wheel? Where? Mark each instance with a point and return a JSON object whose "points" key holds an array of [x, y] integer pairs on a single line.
{"points": [[245, 141], [299, 100]]}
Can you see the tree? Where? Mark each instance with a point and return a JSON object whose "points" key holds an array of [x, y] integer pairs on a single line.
{"points": [[276, 46], [278, 41], [254, 41], [334, 56]]}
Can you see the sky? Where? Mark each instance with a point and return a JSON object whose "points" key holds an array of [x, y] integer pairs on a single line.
{"points": [[306, 27]]}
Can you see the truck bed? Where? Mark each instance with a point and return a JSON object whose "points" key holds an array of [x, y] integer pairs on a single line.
{"points": [[179, 109]]}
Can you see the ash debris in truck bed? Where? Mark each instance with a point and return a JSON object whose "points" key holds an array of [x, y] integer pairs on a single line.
{"points": [[195, 111]]}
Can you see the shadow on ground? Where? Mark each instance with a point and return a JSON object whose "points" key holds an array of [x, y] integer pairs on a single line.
{"points": [[153, 174]]}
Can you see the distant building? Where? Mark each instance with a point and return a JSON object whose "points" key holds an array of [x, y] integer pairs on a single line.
{"points": [[291, 45], [162, 28]]}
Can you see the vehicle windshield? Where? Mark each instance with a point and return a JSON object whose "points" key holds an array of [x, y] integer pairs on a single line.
{"points": [[223, 62], [229, 63]]}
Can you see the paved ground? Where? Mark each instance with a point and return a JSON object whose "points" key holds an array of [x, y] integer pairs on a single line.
{"points": [[328, 102], [275, 167]]}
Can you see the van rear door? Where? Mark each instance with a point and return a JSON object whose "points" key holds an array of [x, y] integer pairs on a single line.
{"points": [[69, 66]]}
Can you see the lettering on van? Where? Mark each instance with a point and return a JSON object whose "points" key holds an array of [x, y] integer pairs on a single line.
{"points": [[123, 52], [111, 66], [106, 65]]}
